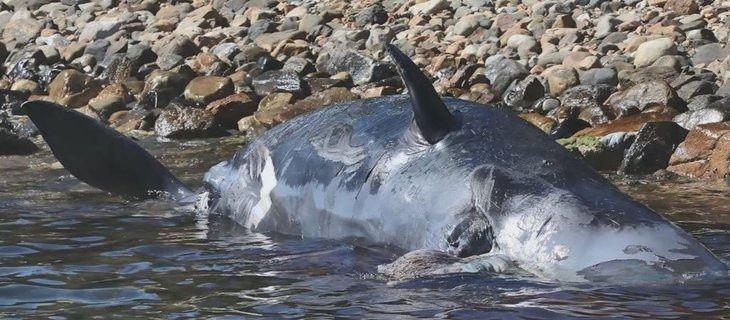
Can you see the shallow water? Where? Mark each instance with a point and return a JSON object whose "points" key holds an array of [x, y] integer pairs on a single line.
{"points": [[69, 251]]}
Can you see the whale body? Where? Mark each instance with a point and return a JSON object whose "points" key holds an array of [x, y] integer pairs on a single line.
{"points": [[419, 172]]}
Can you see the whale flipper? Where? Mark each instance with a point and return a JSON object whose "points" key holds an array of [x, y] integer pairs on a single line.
{"points": [[429, 113], [101, 156]]}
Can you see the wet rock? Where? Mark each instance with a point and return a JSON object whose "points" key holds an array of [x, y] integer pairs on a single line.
{"points": [[250, 126], [126, 121], [229, 110], [363, 69], [560, 78], [318, 100], [523, 94], [111, 99], [653, 147], [279, 81], [206, 89], [12, 144], [177, 122], [650, 51], [73, 89], [715, 112], [568, 128], [705, 153], [603, 154], [162, 86], [501, 71], [270, 106]]}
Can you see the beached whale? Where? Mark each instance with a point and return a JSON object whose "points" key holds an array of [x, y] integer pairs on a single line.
{"points": [[418, 172]]}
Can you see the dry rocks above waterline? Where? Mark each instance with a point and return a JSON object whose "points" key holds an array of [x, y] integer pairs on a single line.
{"points": [[195, 69]]}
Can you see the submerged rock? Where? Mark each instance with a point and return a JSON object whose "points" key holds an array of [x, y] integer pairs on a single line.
{"points": [[12, 144]]}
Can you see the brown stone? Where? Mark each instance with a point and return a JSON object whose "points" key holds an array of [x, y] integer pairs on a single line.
{"points": [[270, 106], [682, 7], [207, 89], [705, 153], [112, 98], [251, 126], [232, 108], [560, 78], [544, 123], [73, 89]]}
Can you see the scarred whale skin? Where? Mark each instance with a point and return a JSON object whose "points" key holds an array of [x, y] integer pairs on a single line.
{"points": [[360, 169]]}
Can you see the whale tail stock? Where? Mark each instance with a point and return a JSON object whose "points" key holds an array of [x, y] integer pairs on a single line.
{"points": [[101, 156]]}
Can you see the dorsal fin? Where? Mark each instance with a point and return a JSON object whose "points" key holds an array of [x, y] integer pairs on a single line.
{"points": [[429, 113]]}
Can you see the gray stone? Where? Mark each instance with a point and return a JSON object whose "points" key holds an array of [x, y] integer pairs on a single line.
{"points": [[650, 51], [95, 30], [178, 122], [599, 76], [653, 147], [363, 69], [501, 71], [279, 81], [708, 53]]}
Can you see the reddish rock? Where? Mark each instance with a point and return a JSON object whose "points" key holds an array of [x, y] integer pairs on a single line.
{"points": [[629, 123], [544, 123], [232, 108], [682, 7], [705, 153]]}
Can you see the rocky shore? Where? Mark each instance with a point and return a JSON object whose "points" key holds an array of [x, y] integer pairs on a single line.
{"points": [[638, 86]]}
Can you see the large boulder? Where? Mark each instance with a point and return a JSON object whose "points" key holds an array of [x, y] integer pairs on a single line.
{"points": [[654, 144], [705, 153]]}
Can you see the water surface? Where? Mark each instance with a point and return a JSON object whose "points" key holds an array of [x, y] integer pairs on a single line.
{"points": [[69, 251]]}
